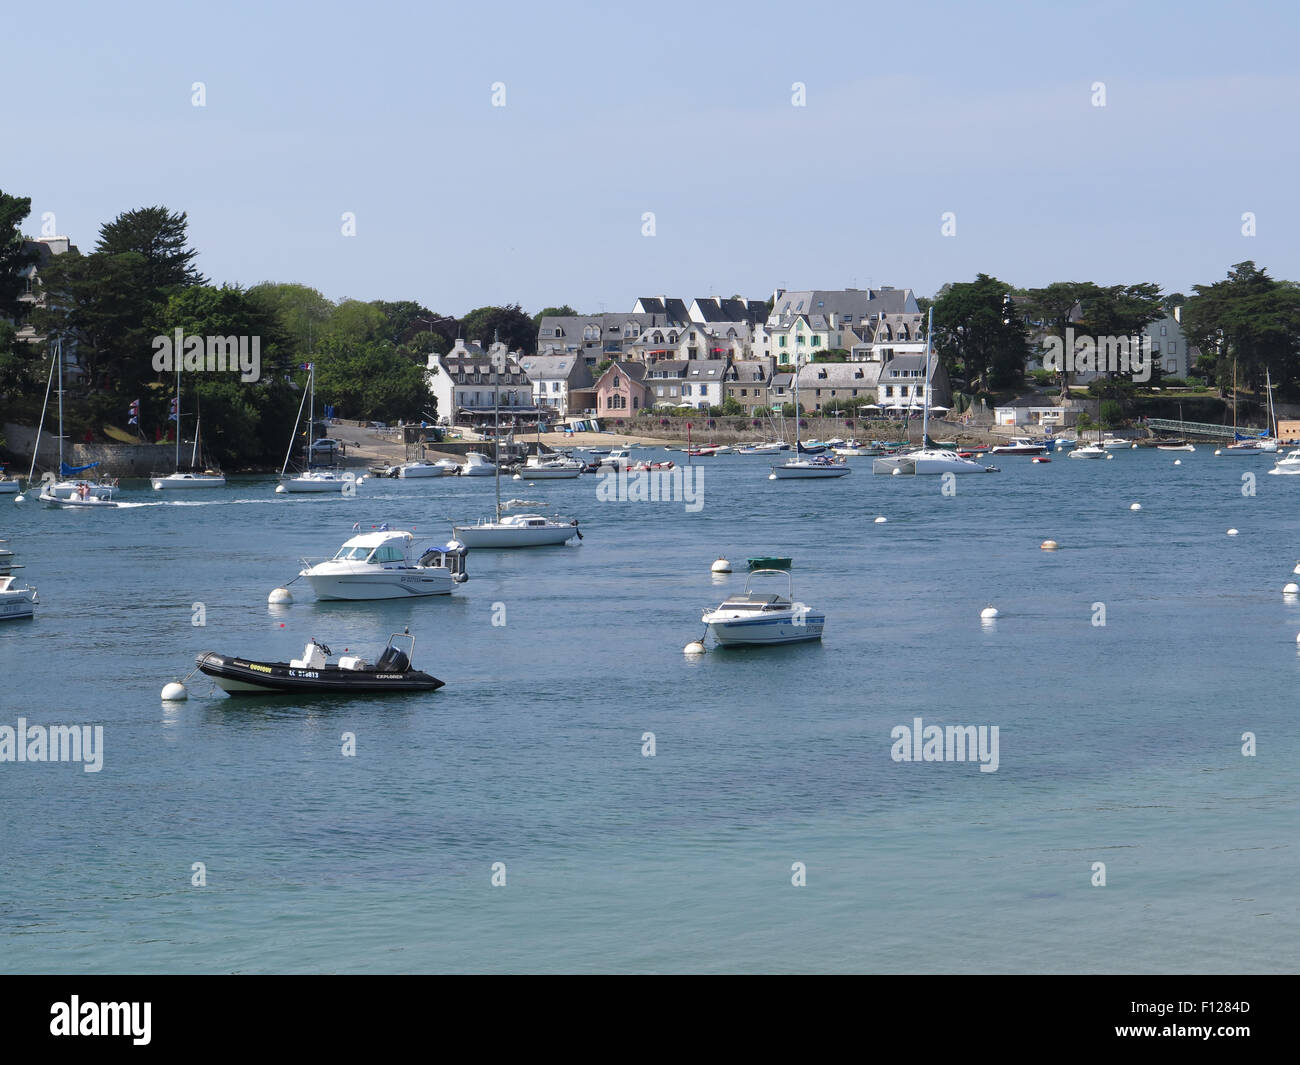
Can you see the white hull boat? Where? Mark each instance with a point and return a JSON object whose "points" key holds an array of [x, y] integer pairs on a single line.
{"points": [[1289, 464], [1241, 451], [9, 487], [927, 461], [1175, 447], [383, 565], [318, 481], [16, 602], [173, 481], [477, 465], [77, 496], [517, 530], [552, 470], [755, 620], [1020, 445], [1088, 451], [809, 469], [416, 470]]}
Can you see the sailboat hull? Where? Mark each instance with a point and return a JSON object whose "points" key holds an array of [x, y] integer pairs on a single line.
{"points": [[174, 481]]}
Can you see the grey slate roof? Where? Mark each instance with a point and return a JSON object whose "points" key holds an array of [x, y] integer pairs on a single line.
{"points": [[672, 309], [842, 302], [717, 309]]}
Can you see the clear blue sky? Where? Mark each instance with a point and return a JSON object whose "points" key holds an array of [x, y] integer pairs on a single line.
{"points": [[683, 109]]}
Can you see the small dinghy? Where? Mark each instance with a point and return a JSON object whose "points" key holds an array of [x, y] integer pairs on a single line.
{"points": [[314, 675]]}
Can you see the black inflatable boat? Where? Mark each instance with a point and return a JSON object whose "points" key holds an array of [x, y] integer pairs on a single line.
{"points": [[313, 674]]}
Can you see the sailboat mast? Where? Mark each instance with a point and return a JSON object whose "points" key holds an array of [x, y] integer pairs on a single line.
{"points": [[58, 347], [925, 417], [798, 447], [178, 414], [40, 428], [496, 413]]}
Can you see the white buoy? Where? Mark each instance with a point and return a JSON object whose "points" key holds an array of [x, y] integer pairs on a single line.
{"points": [[695, 647], [19, 498], [1133, 447], [1049, 545], [721, 566], [1135, 506], [880, 520], [1178, 462], [1217, 451], [989, 613], [281, 490], [174, 693], [1110, 454], [280, 595], [771, 476], [895, 472], [1297, 568], [1232, 532], [518, 477], [1297, 637], [361, 479], [1291, 588]]}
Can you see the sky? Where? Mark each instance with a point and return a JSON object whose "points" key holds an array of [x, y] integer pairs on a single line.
{"points": [[985, 117]]}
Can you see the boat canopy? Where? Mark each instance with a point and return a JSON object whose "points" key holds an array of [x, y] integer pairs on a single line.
{"points": [[68, 471]]}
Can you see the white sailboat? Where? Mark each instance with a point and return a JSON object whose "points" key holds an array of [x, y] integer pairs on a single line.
{"points": [[515, 530], [802, 466], [314, 479], [193, 477], [927, 459], [69, 494]]}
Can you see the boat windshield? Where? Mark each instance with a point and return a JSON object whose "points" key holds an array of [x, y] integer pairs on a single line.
{"points": [[386, 554], [354, 554]]}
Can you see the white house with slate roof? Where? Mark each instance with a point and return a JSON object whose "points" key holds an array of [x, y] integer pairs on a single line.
{"points": [[812, 320], [554, 378], [902, 383], [466, 385], [595, 337]]}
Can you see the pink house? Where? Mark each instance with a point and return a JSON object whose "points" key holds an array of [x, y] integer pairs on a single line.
{"points": [[620, 391]]}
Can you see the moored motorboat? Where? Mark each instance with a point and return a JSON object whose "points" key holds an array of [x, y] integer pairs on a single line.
{"points": [[1088, 451], [757, 619], [185, 479], [477, 465], [1020, 445], [1288, 464], [313, 674], [16, 601], [386, 565], [422, 469]]}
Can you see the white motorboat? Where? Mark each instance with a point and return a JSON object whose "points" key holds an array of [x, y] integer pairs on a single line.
{"points": [[540, 468], [1289, 463], [76, 495], [1116, 443], [477, 465], [619, 458], [754, 619], [515, 530], [1020, 445], [1088, 451], [9, 486], [16, 601], [386, 565], [1242, 450], [1175, 447], [421, 469]]}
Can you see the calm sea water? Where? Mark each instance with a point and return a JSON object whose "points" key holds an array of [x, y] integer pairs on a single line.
{"points": [[1118, 743]]}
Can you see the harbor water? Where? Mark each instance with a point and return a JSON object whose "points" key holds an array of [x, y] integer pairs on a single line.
{"points": [[583, 797]]}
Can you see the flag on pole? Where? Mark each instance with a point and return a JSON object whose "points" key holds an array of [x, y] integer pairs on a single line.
{"points": [[175, 407], [134, 412]]}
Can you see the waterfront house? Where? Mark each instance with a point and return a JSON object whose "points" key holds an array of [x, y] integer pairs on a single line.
{"points": [[467, 389], [1169, 348], [902, 383], [620, 391], [824, 318], [595, 337], [747, 383], [825, 386], [556, 379], [1036, 410]]}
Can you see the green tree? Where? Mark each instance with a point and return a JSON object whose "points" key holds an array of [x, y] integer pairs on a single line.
{"points": [[1056, 306], [974, 328], [13, 257], [301, 312], [564, 311], [160, 237], [516, 329], [1249, 320]]}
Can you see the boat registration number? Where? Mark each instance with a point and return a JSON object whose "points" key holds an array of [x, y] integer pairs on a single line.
{"points": [[310, 673]]}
